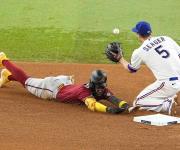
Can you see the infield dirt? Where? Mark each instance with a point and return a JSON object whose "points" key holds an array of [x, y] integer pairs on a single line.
{"points": [[29, 123]]}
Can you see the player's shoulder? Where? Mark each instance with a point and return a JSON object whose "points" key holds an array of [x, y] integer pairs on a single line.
{"points": [[137, 51], [153, 40], [140, 48], [81, 88], [84, 88], [165, 37]]}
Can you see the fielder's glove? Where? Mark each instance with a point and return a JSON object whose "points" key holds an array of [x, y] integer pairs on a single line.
{"points": [[114, 52]]}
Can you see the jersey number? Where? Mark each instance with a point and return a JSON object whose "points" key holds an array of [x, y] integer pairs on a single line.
{"points": [[163, 52]]}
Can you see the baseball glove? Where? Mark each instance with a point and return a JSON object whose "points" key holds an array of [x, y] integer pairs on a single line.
{"points": [[114, 52]]}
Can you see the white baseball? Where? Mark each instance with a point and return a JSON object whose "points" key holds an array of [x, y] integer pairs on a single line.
{"points": [[115, 31]]}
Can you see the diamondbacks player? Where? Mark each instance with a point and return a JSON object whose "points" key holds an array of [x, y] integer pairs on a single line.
{"points": [[161, 55], [63, 89]]}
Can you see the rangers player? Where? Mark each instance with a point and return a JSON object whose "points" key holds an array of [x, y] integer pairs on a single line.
{"points": [[63, 89], [161, 55]]}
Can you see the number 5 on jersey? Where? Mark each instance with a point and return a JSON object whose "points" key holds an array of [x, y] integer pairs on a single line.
{"points": [[164, 53]]}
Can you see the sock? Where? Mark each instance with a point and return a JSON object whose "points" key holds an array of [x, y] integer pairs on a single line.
{"points": [[11, 78], [17, 73]]}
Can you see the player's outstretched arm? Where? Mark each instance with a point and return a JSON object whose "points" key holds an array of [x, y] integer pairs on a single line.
{"points": [[127, 65], [118, 102], [124, 63], [93, 105]]}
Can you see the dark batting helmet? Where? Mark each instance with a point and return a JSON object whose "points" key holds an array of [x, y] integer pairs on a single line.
{"points": [[97, 82]]}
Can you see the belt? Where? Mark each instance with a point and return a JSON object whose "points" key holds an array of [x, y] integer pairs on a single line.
{"points": [[173, 78], [60, 86]]}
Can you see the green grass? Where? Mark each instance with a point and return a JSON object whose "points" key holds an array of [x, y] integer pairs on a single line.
{"points": [[79, 30], [48, 44]]}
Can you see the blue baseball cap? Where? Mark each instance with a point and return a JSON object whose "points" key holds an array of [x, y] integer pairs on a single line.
{"points": [[142, 28]]}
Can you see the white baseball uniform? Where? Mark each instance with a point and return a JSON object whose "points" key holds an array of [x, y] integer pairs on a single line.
{"points": [[48, 87], [161, 55]]}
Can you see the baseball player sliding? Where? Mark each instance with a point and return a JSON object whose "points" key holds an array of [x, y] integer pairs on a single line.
{"points": [[161, 55], [63, 89]]}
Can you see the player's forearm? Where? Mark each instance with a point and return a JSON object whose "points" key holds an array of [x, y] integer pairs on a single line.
{"points": [[124, 63], [93, 105], [118, 102], [127, 65]]}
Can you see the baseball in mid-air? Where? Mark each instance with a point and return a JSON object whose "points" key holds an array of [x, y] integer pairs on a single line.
{"points": [[115, 31]]}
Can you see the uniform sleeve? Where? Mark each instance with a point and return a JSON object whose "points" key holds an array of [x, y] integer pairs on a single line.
{"points": [[82, 97], [84, 93], [136, 61]]}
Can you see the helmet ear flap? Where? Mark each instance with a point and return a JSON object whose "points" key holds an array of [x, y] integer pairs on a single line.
{"points": [[91, 85]]}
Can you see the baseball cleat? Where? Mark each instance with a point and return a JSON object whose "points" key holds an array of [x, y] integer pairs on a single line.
{"points": [[176, 99], [133, 109], [72, 79], [2, 57], [172, 110], [4, 77]]}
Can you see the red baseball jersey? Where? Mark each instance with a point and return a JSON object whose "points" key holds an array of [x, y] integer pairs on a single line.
{"points": [[77, 93]]}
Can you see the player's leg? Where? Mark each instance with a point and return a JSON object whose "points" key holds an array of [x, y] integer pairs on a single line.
{"points": [[48, 87], [15, 73], [158, 97]]}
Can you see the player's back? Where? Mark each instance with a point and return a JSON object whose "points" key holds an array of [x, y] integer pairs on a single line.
{"points": [[73, 93], [160, 54]]}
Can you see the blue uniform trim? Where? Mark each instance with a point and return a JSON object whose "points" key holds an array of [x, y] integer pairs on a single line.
{"points": [[131, 69], [173, 78]]}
